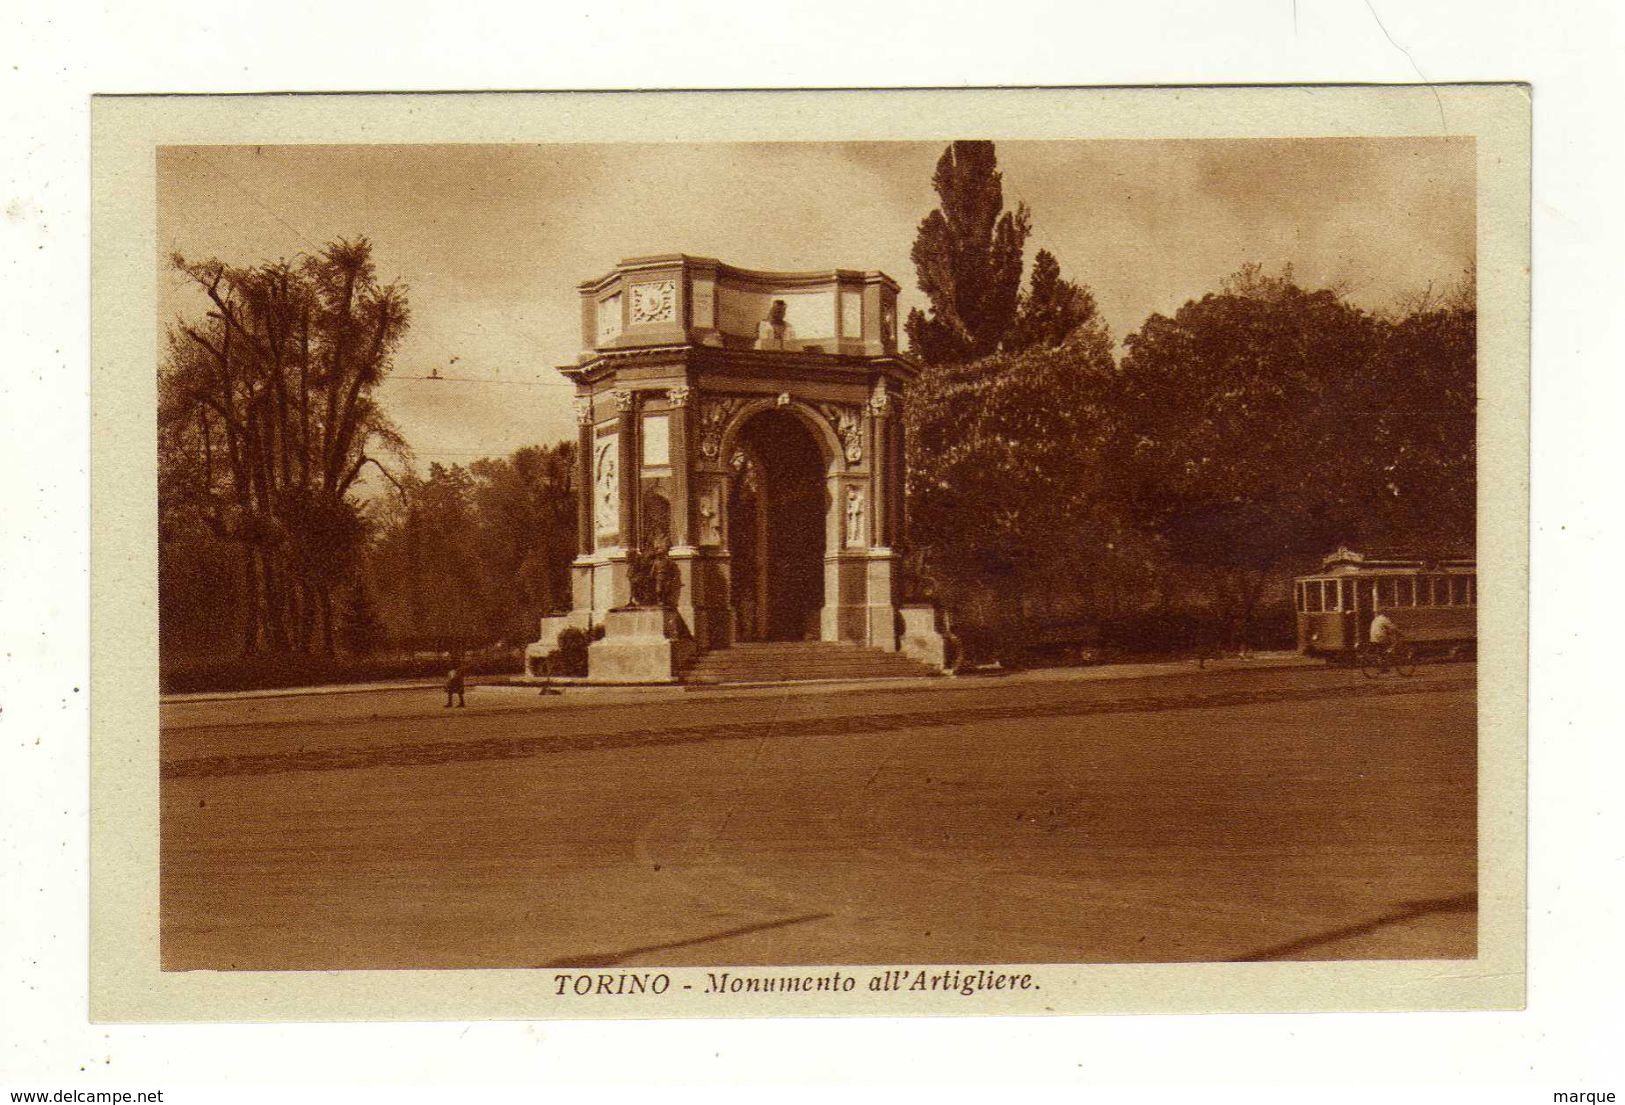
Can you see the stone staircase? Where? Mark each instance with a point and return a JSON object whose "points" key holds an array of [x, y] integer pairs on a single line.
{"points": [[795, 661]]}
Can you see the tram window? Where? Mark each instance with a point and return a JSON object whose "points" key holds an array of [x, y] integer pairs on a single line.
{"points": [[1424, 590], [1385, 592], [1313, 594], [1458, 590], [1472, 590], [1405, 592], [1347, 586]]}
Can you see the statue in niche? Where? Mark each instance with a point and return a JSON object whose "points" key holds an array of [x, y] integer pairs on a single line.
{"points": [[854, 518], [710, 517], [774, 332]]}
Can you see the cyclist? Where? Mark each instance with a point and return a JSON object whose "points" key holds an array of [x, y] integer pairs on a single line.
{"points": [[1385, 635]]}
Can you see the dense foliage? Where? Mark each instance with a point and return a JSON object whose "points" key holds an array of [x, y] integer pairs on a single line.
{"points": [[474, 555], [266, 419], [1258, 428]]}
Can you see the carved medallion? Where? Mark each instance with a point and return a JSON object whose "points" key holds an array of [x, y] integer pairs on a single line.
{"points": [[654, 301]]}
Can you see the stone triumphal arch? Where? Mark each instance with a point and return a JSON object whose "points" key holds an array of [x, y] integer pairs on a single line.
{"points": [[748, 423]]}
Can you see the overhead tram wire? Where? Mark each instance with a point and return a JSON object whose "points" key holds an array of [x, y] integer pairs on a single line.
{"points": [[484, 380], [426, 334]]}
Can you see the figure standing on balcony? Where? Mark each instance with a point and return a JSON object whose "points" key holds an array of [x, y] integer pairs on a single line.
{"points": [[774, 332]]}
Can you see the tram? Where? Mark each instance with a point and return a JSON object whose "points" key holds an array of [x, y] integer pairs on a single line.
{"points": [[1434, 602]]}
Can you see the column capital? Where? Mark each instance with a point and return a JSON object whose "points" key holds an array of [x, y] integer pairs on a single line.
{"points": [[880, 400], [583, 409], [623, 400], [679, 395]]}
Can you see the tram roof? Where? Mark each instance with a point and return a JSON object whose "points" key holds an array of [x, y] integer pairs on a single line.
{"points": [[1347, 561]]}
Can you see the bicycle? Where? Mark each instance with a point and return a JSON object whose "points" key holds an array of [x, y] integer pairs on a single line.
{"points": [[1376, 660]]}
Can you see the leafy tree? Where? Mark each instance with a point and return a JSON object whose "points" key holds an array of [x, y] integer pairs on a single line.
{"points": [[427, 566], [1422, 425], [474, 555], [967, 255], [525, 510], [1267, 423], [266, 420], [1051, 308], [361, 627], [1008, 494]]}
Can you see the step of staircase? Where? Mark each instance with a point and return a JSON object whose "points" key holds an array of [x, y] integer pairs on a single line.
{"points": [[799, 661]]}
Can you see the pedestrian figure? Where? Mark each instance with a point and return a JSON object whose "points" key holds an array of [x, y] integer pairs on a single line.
{"points": [[454, 681]]}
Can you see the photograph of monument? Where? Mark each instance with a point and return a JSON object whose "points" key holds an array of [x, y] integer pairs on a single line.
{"points": [[948, 553]]}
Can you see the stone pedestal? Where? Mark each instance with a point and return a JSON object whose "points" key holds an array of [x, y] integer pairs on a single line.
{"points": [[547, 640], [640, 645], [921, 639]]}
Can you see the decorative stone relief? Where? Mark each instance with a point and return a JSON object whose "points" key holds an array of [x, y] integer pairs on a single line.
{"points": [[848, 426], [855, 536], [783, 399], [710, 514], [654, 301], [623, 400], [880, 400], [714, 415], [583, 407], [744, 465], [888, 324], [607, 486], [678, 396]]}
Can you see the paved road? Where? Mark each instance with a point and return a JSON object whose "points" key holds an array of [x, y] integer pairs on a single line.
{"points": [[1220, 815]]}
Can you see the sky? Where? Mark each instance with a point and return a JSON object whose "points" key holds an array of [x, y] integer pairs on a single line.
{"points": [[492, 240]]}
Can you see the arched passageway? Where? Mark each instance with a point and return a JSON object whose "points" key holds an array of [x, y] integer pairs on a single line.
{"points": [[777, 510]]}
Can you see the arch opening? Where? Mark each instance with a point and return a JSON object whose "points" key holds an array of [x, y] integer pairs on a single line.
{"points": [[777, 510]]}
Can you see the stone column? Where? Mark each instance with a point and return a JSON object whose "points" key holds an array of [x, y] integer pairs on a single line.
{"points": [[586, 446], [681, 508], [880, 465], [626, 418], [898, 501]]}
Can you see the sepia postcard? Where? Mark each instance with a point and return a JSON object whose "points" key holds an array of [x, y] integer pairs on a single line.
{"points": [[724, 554]]}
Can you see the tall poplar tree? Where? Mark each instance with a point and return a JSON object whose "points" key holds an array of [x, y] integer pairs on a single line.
{"points": [[967, 255]]}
